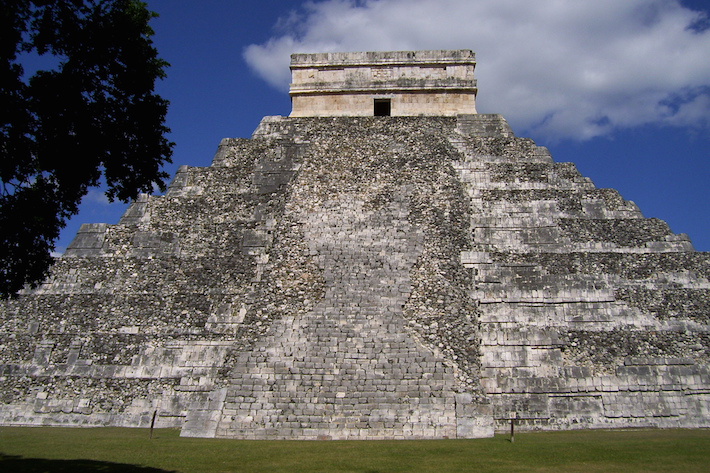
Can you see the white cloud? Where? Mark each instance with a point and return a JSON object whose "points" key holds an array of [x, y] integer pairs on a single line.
{"points": [[96, 196], [558, 68]]}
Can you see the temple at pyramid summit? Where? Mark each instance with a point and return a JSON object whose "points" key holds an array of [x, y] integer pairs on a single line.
{"points": [[384, 263], [400, 83]]}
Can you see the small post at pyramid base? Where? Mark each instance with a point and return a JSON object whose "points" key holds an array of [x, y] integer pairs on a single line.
{"points": [[152, 422]]}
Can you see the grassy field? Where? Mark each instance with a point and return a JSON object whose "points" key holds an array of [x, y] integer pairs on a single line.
{"points": [[112, 450]]}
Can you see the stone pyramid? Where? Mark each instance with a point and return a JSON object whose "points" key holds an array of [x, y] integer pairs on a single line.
{"points": [[423, 274]]}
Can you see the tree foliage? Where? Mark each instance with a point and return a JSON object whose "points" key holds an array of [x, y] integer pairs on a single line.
{"points": [[61, 129]]}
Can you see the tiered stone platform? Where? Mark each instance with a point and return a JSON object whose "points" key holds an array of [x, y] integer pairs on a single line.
{"points": [[367, 278]]}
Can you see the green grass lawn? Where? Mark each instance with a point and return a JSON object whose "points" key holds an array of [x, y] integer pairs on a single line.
{"points": [[113, 450]]}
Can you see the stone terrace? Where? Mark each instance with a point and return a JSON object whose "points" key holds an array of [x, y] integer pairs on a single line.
{"points": [[369, 277]]}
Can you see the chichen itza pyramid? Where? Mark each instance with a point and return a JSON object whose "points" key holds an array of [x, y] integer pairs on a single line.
{"points": [[384, 263]]}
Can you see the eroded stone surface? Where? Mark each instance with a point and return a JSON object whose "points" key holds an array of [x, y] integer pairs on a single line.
{"points": [[401, 277], [592, 316]]}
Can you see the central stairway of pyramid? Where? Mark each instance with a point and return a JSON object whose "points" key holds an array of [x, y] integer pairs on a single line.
{"points": [[349, 366]]}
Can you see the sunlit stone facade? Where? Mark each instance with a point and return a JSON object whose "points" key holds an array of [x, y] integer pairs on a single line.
{"points": [[396, 83]]}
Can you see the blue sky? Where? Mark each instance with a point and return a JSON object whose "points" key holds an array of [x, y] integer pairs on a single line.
{"points": [[621, 89]]}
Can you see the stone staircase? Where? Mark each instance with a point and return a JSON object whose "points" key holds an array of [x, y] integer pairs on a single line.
{"points": [[347, 369], [350, 368]]}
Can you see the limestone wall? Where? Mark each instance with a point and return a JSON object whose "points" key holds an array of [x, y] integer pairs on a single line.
{"points": [[402, 104], [433, 83]]}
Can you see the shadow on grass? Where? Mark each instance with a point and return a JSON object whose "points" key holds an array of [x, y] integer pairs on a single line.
{"points": [[17, 464]]}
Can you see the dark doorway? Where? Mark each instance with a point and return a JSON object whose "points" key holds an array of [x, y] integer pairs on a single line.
{"points": [[383, 107]]}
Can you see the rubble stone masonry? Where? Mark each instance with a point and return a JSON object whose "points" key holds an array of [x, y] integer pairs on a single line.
{"points": [[367, 278]]}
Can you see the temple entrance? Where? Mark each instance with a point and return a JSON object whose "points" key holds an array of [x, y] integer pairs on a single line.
{"points": [[383, 107]]}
